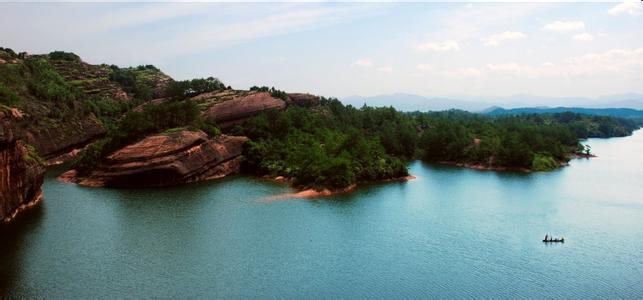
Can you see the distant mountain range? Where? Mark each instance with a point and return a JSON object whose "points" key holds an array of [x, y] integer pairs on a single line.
{"points": [[614, 112], [412, 102]]}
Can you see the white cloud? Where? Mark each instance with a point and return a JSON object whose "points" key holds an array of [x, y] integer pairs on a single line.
{"points": [[629, 7], [440, 47], [385, 69], [583, 37], [495, 39], [561, 26], [424, 67], [466, 72], [162, 30], [510, 68], [615, 61], [363, 63], [143, 15]]}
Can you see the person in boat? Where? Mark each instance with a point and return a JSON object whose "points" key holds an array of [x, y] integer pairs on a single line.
{"points": [[546, 235]]}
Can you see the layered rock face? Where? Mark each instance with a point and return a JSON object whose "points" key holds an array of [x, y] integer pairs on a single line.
{"points": [[169, 159], [241, 107], [56, 143], [21, 173]]}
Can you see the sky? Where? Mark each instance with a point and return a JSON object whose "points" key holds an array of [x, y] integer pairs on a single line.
{"points": [[343, 49]]}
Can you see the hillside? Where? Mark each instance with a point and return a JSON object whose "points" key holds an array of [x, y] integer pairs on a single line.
{"points": [[67, 103]]}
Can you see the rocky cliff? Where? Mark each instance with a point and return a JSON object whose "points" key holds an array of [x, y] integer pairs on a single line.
{"points": [[21, 174], [168, 159]]}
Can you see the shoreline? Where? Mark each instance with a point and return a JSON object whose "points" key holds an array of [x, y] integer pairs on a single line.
{"points": [[23, 207], [310, 193], [481, 167]]}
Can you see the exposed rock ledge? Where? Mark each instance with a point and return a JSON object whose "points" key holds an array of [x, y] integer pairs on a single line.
{"points": [[167, 159]]}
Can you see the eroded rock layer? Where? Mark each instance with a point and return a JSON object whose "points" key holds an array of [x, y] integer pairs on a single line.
{"points": [[169, 159], [21, 172], [236, 110]]}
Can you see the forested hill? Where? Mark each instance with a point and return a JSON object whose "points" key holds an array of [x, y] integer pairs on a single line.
{"points": [[627, 113], [335, 145]]}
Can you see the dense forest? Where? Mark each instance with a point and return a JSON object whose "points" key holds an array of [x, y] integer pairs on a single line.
{"points": [[336, 145], [625, 113]]}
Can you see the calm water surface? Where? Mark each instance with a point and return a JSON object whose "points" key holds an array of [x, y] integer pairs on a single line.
{"points": [[451, 232]]}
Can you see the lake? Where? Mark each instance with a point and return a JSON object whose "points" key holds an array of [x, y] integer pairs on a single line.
{"points": [[451, 232]]}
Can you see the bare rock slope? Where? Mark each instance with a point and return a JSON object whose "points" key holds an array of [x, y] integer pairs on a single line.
{"points": [[228, 112]]}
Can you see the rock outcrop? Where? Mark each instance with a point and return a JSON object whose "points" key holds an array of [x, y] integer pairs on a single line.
{"points": [[21, 174], [304, 100], [230, 112], [58, 143], [168, 159]]}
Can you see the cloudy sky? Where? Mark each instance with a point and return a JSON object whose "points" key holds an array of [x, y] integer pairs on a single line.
{"points": [[342, 49]]}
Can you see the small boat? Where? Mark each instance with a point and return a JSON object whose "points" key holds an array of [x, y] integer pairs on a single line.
{"points": [[550, 239]]}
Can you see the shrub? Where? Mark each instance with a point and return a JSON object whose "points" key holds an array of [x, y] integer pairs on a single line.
{"points": [[62, 55], [48, 85], [7, 96], [543, 162], [190, 88]]}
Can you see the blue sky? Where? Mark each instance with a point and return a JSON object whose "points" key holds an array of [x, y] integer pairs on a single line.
{"points": [[342, 49]]}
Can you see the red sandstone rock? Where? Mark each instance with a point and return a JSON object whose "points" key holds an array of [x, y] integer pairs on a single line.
{"points": [[21, 174], [236, 110], [169, 159]]}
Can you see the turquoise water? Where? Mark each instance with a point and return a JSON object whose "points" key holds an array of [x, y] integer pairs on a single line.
{"points": [[450, 233]]}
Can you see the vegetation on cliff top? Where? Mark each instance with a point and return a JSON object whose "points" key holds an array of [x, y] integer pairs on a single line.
{"points": [[136, 125], [179, 90]]}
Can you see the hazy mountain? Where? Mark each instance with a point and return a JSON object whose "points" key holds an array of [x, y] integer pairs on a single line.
{"points": [[412, 102], [630, 100]]}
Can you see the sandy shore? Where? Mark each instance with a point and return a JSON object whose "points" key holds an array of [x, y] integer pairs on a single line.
{"points": [[313, 193]]}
